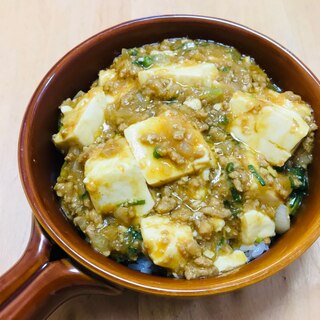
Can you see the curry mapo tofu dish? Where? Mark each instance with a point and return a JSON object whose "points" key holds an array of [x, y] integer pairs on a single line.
{"points": [[183, 159]]}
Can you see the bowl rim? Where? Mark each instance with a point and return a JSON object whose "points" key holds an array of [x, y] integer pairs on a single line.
{"points": [[154, 286]]}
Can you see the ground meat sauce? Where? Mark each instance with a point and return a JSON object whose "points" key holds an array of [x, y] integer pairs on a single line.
{"points": [[212, 215]]}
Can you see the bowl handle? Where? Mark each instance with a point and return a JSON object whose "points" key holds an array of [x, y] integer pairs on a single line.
{"points": [[36, 286]]}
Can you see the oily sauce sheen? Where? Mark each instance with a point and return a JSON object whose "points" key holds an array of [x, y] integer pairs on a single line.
{"points": [[186, 155]]}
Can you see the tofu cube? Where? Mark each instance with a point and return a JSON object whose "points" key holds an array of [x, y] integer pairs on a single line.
{"points": [[146, 136], [268, 194], [282, 127], [281, 99], [230, 261], [106, 76], [193, 103], [113, 178], [164, 239], [254, 225], [81, 123], [218, 224], [271, 130], [199, 75], [242, 102]]}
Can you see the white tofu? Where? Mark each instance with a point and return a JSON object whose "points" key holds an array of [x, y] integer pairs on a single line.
{"points": [[202, 74], [163, 239], [230, 261], [105, 76], [281, 99], [193, 103], [269, 129], [241, 102], [218, 224], [282, 127], [159, 171], [254, 225], [81, 123], [112, 178], [268, 194], [282, 219]]}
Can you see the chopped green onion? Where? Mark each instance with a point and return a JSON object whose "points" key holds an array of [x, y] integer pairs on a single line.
{"points": [[256, 174], [215, 91], [171, 101], [236, 195], [225, 69], [211, 94], [280, 169], [259, 240], [223, 119], [221, 241], [144, 62], [235, 210], [133, 51], [294, 202], [84, 195], [130, 203], [273, 87], [137, 202], [134, 234], [230, 167], [156, 153], [292, 184], [300, 174]]}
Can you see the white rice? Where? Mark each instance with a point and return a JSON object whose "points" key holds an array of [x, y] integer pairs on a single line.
{"points": [[254, 250]]}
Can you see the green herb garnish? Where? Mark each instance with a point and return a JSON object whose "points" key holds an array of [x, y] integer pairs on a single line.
{"points": [[84, 195], [300, 174], [134, 234], [259, 240], [225, 69], [156, 153], [292, 184], [235, 210], [133, 240], [221, 241], [253, 170], [230, 167], [294, 202], [130, 203], [236, 195], [299, 189], [215, 92], [273, 87], [223, 119], [211, 94], [171, 101], [133, 52], [144, 62]]}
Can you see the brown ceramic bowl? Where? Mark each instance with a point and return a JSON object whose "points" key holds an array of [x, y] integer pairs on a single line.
{"points": [[40, 163]]}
